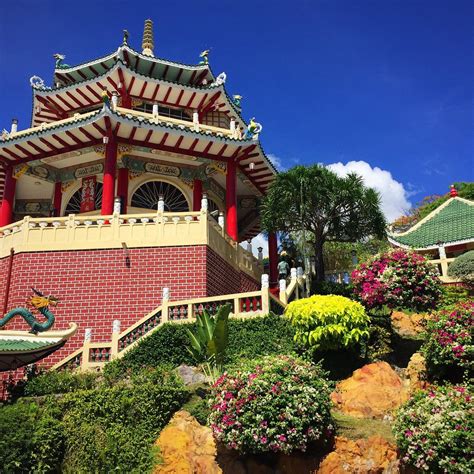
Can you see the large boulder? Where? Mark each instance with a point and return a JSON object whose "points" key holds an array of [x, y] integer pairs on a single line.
{"points": [[186, 447], [374, 455], [373, 391], [416, 372], [408, 325]]}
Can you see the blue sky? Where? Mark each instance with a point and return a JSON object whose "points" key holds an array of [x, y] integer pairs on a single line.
{"points": [[386, 85]]}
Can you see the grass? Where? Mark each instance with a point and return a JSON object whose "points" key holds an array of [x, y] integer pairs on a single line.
{"points": [[355, 428]]}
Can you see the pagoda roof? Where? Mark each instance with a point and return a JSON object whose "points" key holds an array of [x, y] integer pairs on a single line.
{"points": [[450, 223], [20, 348], [157, 68], [55, 102], [139, 129]]}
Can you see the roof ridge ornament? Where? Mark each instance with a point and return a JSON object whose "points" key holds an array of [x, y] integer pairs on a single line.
{"points": [[125, 37], [148, 43], [59, 59], [37, 83], [453, 192], [221, 78], [204, 55]]}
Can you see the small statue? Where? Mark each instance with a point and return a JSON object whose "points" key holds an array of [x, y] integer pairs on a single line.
{"points": [[40, 303], [59, 58], [237, 99], [253, 128], [204, 57], [105, 98], [4, 135], [125, 37]]}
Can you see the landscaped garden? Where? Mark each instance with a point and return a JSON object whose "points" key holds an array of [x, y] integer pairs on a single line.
{"points": [[375, 376]]}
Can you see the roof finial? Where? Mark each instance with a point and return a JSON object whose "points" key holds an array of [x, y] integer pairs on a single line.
{"points": [[147, 43], [453, 191]]}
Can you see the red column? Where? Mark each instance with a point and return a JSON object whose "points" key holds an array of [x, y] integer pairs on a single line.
{"points": [[122, 189], [110, 165], [197, 194], [273, 257], [6, 209], [57, 199], [231, 201]]}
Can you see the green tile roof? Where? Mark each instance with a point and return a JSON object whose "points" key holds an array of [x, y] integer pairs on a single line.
{"points": [[451, 222], [17, 345]]}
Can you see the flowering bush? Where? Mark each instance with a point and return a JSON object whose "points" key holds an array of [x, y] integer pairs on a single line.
{"points": [[399, 279], [274, 404], [450, 340], [434, 430], [328, 322]]}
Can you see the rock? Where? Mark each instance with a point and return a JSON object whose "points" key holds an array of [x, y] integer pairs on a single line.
{"points": [[416, 372], [373, 391], [408, 325], [362, 456], [186, 447], [191, 375]]}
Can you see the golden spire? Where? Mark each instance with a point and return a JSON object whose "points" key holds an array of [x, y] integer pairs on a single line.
{"points": [[147, 43]]}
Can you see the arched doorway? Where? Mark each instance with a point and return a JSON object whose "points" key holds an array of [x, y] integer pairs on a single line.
{"points": [[148, 194]]}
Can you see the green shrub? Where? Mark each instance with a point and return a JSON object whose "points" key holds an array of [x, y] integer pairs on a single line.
{"points": [[379, 344], [331, 288], [248, 338], [276, 404], [60, 382], [106, 429], [463, 267], [451, 295], [112, 429], [30, 439], [199, 408], [328, 322], [449, 346], [434, 430]]}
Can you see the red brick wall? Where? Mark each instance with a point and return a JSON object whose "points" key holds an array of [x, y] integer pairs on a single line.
{"points": [[96, 286]]}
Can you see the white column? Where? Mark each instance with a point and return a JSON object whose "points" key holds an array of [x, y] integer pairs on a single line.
{"points": [[265, 281], [204, 202]]}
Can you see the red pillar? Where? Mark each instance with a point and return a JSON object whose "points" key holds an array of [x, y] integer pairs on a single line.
{"points": [[110, 166], [57, 199], [231, 201], [6, 209], [122, 189], [197, 194], [273, 257]]}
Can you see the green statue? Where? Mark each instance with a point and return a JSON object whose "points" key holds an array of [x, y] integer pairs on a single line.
{"points": [[40, 303], [204, 57], [59, 59]]}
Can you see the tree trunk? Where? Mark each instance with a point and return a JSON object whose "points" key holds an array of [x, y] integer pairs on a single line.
{"points": [[319, 262]]}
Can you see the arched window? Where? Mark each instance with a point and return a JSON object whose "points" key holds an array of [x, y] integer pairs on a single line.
{"points": [[147, 196], [74, 204]]}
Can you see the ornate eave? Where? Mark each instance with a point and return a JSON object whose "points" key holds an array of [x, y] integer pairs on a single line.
{"points": [[20, 348], [140, 129], [157, 68], [51, 104]]}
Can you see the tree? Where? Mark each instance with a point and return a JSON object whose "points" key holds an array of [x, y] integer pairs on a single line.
{"points": [[316, 201]]}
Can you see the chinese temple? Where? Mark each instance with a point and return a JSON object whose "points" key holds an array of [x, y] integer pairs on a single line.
{"points": [[444, 234], [135, 183]]}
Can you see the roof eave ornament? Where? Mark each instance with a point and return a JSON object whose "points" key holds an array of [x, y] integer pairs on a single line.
{"points": [[148, 42], [453, 192]]}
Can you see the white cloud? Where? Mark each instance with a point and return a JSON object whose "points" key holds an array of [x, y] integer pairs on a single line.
{"points": [[276, 160], [394, 196]]}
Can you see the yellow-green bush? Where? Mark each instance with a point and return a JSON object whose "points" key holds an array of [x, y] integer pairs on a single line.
{"points": [[327, 322]]}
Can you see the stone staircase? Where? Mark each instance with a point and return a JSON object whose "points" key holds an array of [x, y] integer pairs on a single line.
{"points": [[94, 355]]}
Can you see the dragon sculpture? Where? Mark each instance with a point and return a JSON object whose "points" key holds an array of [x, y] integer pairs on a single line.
{"points": [[59, 61], [42, 304]]}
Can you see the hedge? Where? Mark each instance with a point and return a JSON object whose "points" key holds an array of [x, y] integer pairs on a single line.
{"points": [[248, 338], [106, 429]]}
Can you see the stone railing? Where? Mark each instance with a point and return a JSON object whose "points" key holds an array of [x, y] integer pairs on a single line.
{"points": [[131, 230], [93, 355]]}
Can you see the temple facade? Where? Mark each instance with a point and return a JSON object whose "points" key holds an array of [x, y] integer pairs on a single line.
{"points": [[137, 178]]}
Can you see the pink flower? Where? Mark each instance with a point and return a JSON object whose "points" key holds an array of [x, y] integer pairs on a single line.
{"points": [[263, 440]]}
